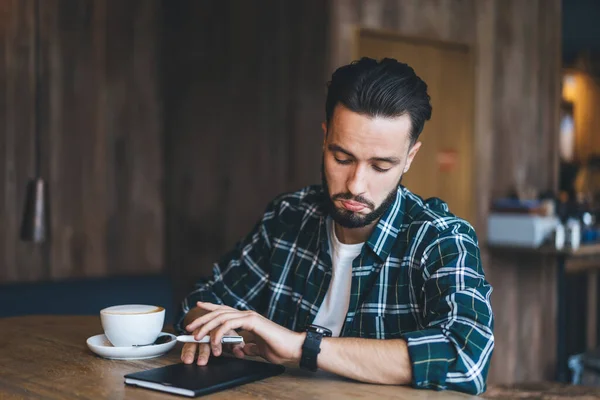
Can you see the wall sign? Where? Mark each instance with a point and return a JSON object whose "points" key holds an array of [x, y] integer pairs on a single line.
{"points": [[447, 159]]}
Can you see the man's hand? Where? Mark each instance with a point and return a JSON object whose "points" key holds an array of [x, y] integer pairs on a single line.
{"points": [[189, 351], [366, 360], [270, 341]]}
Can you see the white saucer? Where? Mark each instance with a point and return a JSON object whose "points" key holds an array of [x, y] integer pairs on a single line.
{"points": [[100, 345]]}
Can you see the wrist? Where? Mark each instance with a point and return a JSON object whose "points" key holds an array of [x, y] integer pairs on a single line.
{"points": [[297, 356], [311, 347]]}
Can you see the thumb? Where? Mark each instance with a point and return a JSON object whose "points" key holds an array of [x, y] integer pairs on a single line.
{"points": [[251, 349]]}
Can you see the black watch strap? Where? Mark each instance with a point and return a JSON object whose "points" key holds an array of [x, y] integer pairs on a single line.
{"points": [[310, 350]]}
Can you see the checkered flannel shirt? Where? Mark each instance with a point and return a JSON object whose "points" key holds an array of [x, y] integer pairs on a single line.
{"points": [[418, 277]]}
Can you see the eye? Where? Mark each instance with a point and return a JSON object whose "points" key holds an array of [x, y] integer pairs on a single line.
{"points": [[378, 169], [343, 162]]}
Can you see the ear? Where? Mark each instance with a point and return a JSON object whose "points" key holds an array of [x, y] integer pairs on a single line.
{"points": [[411, 155], [324, 127]]}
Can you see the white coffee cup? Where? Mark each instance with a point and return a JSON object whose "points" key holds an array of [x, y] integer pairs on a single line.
{"points": [[132, 324]]}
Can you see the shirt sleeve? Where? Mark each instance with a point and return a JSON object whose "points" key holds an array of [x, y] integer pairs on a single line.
{"points": [[238, 278], [454, 349]]}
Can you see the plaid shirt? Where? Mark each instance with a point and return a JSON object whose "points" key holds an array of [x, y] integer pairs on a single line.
{"points": [[418, 277]]}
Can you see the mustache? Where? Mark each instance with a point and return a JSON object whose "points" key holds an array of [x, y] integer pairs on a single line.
{"points": [[358, 199]]}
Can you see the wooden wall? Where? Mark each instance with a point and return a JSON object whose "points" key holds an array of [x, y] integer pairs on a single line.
{"points": [[101, 134], [244, 86], [168, 126], [517, 81]]}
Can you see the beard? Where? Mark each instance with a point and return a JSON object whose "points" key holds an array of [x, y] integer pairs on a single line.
{"points": [[351, 219]]}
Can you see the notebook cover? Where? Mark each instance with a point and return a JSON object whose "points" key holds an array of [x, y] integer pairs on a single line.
{"points": [[220, 373]]}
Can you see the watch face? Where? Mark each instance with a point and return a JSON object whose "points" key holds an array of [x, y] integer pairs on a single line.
{"points": [[319, 329]]}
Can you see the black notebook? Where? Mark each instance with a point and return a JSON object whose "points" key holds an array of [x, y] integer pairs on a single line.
{"points": [[192, 380]]}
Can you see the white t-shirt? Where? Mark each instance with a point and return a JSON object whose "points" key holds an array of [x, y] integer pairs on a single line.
{"points": [[337, 299]]}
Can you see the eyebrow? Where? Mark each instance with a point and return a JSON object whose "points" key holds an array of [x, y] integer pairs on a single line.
{"points": [[391, 160]]}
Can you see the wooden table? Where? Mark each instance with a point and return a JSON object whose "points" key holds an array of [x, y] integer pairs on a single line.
{"points": [[47, 357]]}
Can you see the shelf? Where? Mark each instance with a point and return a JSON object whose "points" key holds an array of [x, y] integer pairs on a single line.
{"points": [[585, 258], [585, 250]]}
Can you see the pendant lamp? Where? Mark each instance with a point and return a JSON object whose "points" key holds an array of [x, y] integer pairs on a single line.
{"points": [[35, 226]]}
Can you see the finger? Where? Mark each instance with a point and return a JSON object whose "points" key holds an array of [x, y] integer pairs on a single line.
{"points": [[203, 354], [217, 321], [230, 348], [235, 349], [230, 324], [210, 306], [188, 353], [251, 350], [217, 348], [238, 352], [198, 322], [216, 345]]}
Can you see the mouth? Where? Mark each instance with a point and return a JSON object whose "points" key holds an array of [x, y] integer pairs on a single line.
{"points": [[353, 205]]}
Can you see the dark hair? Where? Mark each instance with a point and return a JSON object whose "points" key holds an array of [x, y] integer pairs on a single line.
{"points": [[386, 88]]}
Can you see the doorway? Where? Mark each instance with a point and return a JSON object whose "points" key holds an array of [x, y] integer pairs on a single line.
{"points": [[444, 166]]}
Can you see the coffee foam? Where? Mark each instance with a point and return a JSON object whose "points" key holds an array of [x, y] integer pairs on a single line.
{"points": [[132, 309]]}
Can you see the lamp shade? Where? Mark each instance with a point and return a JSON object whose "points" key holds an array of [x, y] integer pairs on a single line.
{"points": [[34, 227]]}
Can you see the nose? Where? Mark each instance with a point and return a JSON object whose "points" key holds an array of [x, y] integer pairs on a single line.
{"points": [[357, 181]]}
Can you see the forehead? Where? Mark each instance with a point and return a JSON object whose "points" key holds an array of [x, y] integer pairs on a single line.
{"points": [[370, 136]]}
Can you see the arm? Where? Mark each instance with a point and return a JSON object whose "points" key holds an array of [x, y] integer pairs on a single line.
{"points": [[367, 360], [454, 348]]}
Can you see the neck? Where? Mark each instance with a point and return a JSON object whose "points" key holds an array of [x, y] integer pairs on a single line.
{"points": [[354, 235]]}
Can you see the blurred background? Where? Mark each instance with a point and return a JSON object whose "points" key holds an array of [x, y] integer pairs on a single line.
{"points": [[163, 128]]}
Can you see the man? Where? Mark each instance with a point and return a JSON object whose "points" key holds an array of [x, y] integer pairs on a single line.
{"points": [[396, 280]]}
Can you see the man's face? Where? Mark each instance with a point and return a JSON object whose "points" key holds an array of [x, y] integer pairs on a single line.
{"points": [[363, 162]]}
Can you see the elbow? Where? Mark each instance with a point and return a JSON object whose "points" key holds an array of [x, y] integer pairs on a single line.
{"points": [[475, 386], [469, 374]]}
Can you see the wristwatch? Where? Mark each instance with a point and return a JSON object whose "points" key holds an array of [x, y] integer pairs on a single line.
{"points": [[312, 346]]}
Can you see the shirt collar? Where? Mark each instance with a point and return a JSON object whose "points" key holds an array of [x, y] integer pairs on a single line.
{"points": [[386, 231]]}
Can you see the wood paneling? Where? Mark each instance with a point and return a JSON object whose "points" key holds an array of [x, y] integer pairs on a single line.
{"points": [[101, 135], [526, 108], [527, 93], [19, 260], [244, 88], [517, 67]]}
